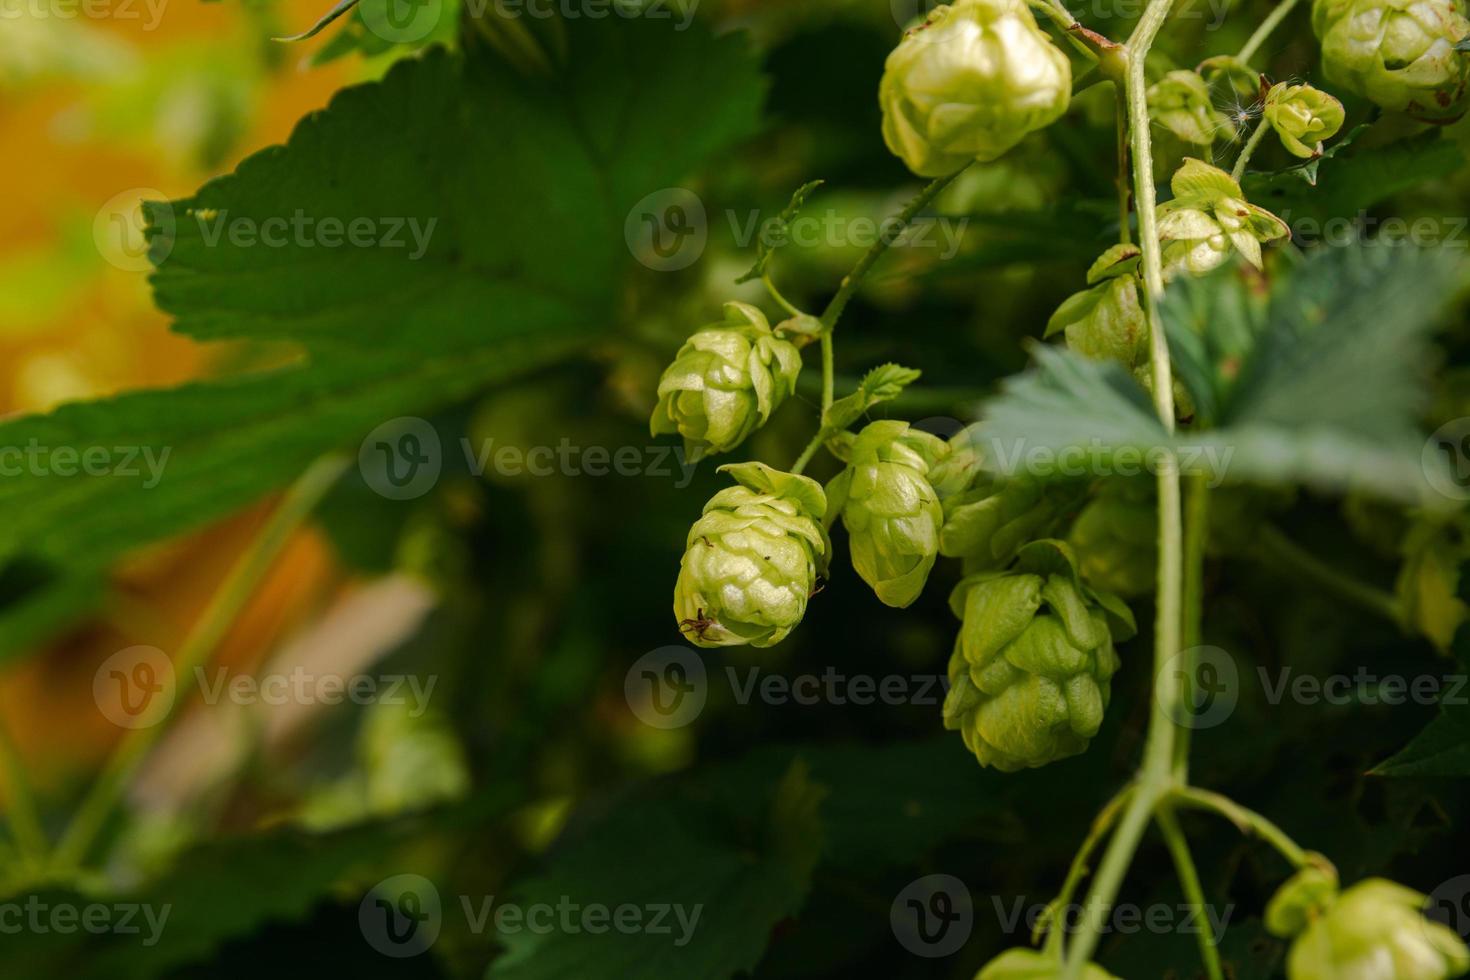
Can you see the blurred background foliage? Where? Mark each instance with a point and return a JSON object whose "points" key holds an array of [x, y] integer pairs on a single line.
{"points": [[529, 598]]}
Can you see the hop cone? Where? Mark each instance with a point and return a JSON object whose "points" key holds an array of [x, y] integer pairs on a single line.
{"points": [[891, 512], [1209, 219], [1030, 964], [1376, 930], [1031, 671], [752, 560], [1181, 103], [725, 382], [1303, 117], [969, 84], [1115, 537], [1398, 53]]}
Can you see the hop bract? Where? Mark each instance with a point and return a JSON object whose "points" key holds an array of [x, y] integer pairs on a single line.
{"points": [[725, 382], [891, 512], [1181, 103], [1398, 53], [1303, 117], [1209, 218], [1106, 320], [1030, 964], [1116, 539], [752, 560], [1376, 930], [1031, 671], [969, 84]]}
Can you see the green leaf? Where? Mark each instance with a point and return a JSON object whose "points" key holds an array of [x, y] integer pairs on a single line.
{"points": [[1067, 403], [1331, 392], [884, 383], [730, 873], [783, 220], [519, 190], [1348, 183], [1442, 749]]}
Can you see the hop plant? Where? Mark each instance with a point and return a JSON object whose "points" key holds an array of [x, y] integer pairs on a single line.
{"points": [[725, 382], [1181, 103], [1303, 117], [990, 521], [1030, 964], [752, 560], [891, 512], [970, 83], [1375, 930], [1031, 671], [1398, 53], [1209, 219], [1106, 320], [1115, 538]]}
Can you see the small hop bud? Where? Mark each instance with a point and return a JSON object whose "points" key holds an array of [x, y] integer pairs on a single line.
{"points": [[1398, 53], [1106, 321], [970, 83], [1031, 673], [1181, 103], [1031, 964], [725, 382], [1303, 117], [1375, 930], [751, 562], [1208, 219], [891, 512]]}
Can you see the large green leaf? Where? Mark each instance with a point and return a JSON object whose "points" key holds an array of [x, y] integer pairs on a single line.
{"points": [[519, 188]]}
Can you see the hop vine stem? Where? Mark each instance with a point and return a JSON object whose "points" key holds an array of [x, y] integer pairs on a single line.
{"points": [[239, 585], [1158, 776]]}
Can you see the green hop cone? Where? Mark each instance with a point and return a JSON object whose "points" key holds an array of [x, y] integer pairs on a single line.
{"points": [[1398, 53], [1181, 103], [970, 83], [725, 382], [1301, 900], [1032, 668], [1209, 219], [1030, 964], [1106, 320], [1303, 117], [1376, 930], [891, 512], [1116, 537], [989, 522], [753, 559]]}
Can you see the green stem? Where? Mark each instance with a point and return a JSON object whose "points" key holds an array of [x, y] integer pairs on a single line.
{"points": [[828, 382], [1156, 777], [20, 804], [1277, 549], [785, 304], [1101, 824], [1272, 21], [1250, 147], [1184, 866], [1246, 820], [241, 583], [810, 451], [853, 279], [1125, 213]]}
